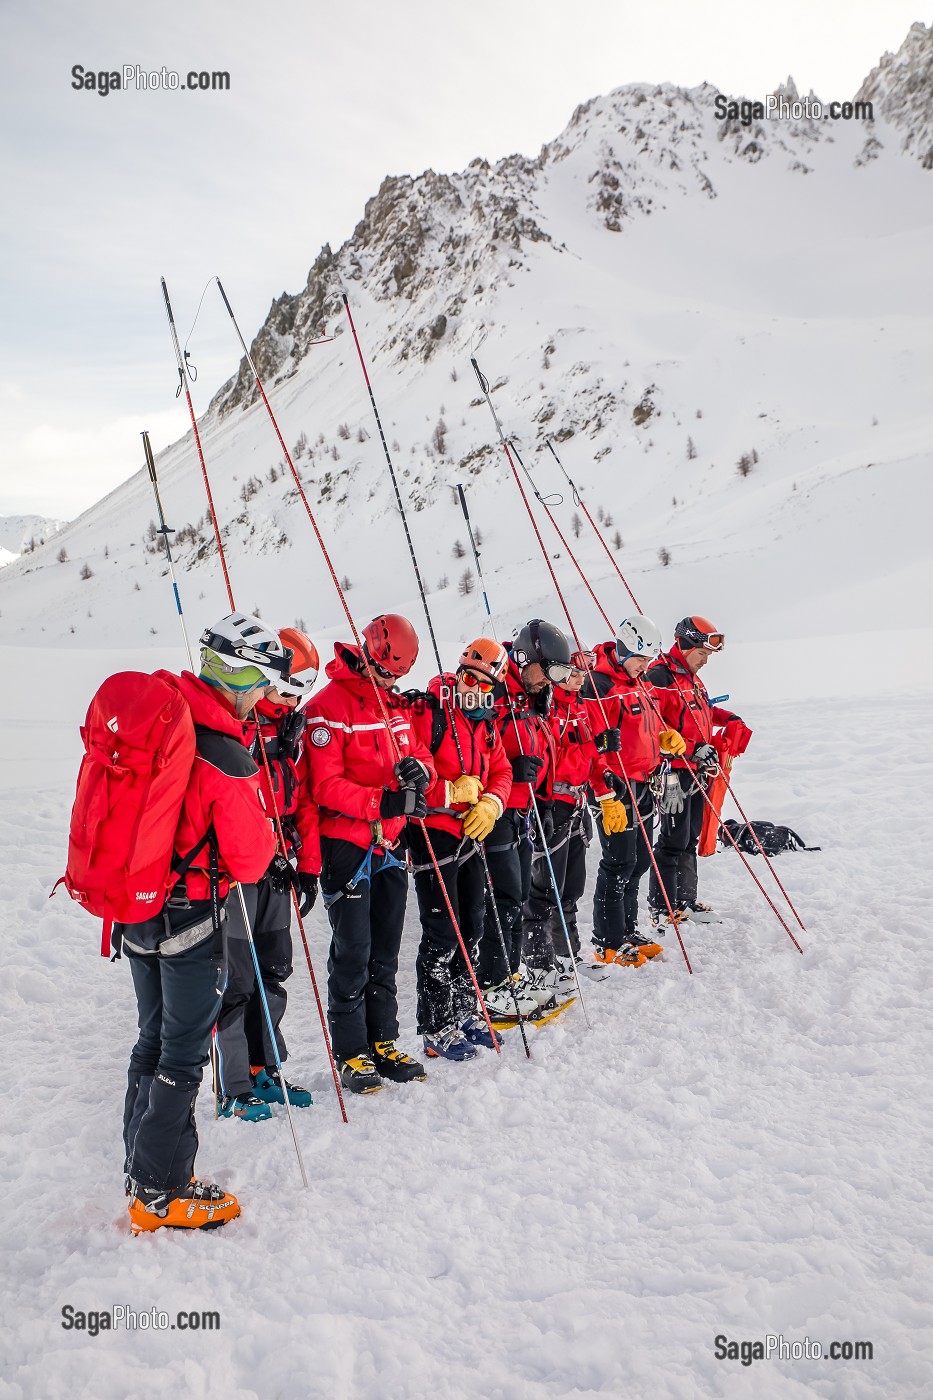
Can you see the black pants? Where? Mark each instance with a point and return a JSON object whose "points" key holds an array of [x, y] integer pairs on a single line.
{"points": [[676, 850], [366, 927], [242, 1031], [581, 834], [624, 859], [508, 853], [446, 995], [178, 998], [542, 928]]}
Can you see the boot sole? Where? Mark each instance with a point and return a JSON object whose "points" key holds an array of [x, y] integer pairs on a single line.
{"points": [[539, 1018]]}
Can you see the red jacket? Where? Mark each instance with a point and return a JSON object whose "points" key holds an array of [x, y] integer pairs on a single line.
{"points": [[483, 754], [350, 761], [289, 794], [684, 702], [223, 791], [574, 722], [630, 707], [534, 729]]}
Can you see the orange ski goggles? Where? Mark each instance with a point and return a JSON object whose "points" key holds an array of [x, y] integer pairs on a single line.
{"points": [[479, 682]]}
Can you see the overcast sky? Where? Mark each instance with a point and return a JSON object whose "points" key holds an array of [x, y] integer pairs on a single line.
{"points": [[102, 195]]}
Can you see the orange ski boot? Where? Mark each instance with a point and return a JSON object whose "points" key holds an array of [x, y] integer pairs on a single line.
{"points": [[198, 1206]]}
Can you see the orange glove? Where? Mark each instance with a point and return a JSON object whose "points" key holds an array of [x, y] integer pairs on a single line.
{"points": [[615, 817], [481, 819], [464, 789], [673, 743]]}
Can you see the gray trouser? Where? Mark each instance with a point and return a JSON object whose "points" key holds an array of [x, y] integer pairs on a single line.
{"points": [[242, 1030]]}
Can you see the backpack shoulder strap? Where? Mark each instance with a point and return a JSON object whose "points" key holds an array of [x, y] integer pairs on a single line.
{"points": [[439, 725]]}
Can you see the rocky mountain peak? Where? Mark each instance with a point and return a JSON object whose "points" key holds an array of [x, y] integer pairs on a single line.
{"points": [[901, 90]]}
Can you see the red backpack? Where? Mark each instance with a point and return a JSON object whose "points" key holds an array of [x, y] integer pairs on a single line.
{"points": [[139, 750]]}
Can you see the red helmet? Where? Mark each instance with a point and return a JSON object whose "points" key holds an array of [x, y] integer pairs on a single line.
{"points": [[305, 663], [583, 661], [484, 657], [391, 644], [698, 632]]}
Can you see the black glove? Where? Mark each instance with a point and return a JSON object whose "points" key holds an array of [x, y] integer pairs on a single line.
{"points": [[525, 768], [705, 757], [410, 772], [608, 741], [281, 874], [617, 783], [291, 728], [403, 802], [547, 822], [307, 892]]}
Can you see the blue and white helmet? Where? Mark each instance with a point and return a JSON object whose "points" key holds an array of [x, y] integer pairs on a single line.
{"points": [[637, 636]]}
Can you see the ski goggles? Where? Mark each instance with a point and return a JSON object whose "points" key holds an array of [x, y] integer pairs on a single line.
{"points": [[279, 662], [476, 680], [557, 671], [381, 671], [712, 641]]}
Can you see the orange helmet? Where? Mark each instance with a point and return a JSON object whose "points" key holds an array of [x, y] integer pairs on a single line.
{"points": [[485, 658], [698, 632], [305, 663], [391, 644]]}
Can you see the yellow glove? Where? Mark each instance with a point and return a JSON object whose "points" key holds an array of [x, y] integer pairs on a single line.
{"points": [[672, 742], [615, 817], [466, 789], [481, 819]]}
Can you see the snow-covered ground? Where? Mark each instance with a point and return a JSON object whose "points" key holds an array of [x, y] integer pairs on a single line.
{"points": [[740, 1152]]}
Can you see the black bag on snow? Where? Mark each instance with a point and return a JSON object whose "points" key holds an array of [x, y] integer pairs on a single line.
{"points": [[774, 839]]}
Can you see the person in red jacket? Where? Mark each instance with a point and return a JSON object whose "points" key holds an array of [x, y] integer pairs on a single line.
{"points": [[248, 1077], [539, 658], [616, 677], [366, 794], [684, 702], [224, 835], [472, 785], [580, 738]]}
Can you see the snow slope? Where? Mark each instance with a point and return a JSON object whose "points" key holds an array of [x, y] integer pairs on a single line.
{"points": [[22, 534], [738, 1152]]}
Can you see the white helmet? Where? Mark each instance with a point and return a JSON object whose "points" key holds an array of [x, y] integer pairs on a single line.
{"points": [[240, 653], [637, 636]]}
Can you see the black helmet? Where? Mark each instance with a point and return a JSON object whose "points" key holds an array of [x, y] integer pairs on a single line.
{"points": [[543, 642]]}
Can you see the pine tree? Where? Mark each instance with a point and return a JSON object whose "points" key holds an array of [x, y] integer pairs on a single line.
{"points": [[465, 585]]}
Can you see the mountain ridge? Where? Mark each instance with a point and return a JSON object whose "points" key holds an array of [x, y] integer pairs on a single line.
{"points": [[764, 290]]}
